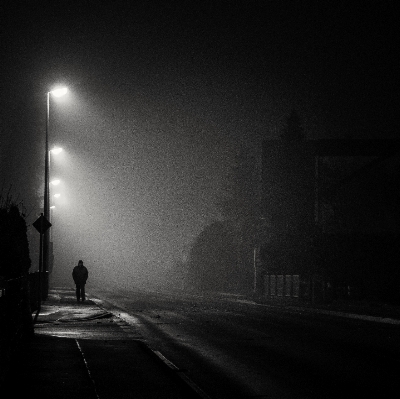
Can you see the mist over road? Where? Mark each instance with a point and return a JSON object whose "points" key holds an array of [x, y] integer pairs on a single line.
{"points": [[233, 348]]}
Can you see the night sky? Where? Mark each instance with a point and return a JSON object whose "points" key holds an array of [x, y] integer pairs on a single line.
{"points": [[160, 99]]}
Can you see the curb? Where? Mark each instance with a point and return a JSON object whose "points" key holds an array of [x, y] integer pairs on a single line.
{"points": [[176, 371]]}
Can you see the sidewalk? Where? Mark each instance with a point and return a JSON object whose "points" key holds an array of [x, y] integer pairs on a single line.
{"points": [[80, 350]]}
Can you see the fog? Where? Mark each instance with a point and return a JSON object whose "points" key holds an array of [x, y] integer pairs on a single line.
{"points": [[160, 100], [134, 192]]}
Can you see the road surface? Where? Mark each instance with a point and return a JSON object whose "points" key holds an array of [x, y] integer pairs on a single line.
{"points": [[234, 348]]}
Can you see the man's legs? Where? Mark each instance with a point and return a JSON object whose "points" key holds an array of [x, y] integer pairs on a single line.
{"points": [[78, 292], [83, 292]]}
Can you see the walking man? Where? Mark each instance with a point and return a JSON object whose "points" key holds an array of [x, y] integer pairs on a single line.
{"points": [[80, 275]]}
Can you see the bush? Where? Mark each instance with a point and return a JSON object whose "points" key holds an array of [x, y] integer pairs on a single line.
{"points": [[15, 314]]}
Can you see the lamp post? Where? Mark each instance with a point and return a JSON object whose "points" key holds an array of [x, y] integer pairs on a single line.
{"points": [[51, 214], [46, 206], [55, 151]]}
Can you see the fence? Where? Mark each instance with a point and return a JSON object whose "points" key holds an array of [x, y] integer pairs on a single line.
{"points": [[19, 297], [15, 316]]}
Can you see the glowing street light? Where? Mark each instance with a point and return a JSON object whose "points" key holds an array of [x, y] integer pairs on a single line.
{"points": [[56, 150], [46, 242], [59, 92], [55, 182], [57, 195]]}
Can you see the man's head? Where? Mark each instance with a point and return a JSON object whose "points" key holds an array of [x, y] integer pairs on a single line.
{"points": [[80, 263]]}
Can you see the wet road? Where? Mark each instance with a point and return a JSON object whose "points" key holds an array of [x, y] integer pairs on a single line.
{"points": [[237, 349]]}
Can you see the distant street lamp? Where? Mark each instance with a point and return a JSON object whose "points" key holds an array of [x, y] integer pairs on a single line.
{"points": [[58, 92], [56, 150], [46, 211]]}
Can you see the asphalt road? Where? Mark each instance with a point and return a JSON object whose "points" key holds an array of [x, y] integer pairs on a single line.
{"points": [[233, 348]]}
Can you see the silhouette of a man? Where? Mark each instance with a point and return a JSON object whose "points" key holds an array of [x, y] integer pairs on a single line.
{"points": [[80, 275]]}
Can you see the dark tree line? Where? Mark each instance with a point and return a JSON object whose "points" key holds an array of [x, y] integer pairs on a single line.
{"points": [[222, 257], [15, 312]]}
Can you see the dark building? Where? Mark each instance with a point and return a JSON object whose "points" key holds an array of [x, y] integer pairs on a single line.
{"points": [[331, 220]]}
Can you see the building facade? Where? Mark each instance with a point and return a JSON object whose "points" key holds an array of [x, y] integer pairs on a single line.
{"points": [[331, 217]]}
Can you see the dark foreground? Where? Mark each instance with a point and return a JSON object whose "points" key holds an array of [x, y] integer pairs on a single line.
{"points": [[234, 348], [81, 351]]}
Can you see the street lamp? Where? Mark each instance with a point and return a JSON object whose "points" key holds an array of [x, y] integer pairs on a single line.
{"points": [[58, 92], [46, 242], [56, 150]]}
